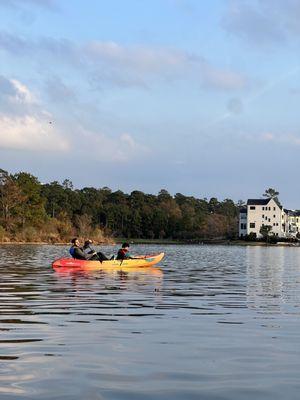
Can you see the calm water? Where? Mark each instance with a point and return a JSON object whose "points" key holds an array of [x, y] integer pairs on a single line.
{"points": [[215, 322]]}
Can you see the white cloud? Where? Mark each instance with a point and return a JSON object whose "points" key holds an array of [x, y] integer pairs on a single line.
{"points": [[16, 98], [221, 78], [114, 64], [263, 22], [49, 4], [268, 137], [14, 91], [290, 139], [128, 141], [122, 149], [22, 93], [58, 91], [139, 58], [24, 123], [30, 133], [136, 65]]}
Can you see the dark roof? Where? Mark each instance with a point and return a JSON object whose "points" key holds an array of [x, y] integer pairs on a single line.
{"points": [[262, 202], [293, 213], [257, 202]]}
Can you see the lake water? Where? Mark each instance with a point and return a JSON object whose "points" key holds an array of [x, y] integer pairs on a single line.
{"points": [[215, 322]]}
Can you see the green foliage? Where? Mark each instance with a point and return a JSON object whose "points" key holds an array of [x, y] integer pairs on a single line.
{"points": [[56, 211], [272, 194], [27, 234], [251, 237], [265, 231], [11, 200], [3, 234], [31, 210]]}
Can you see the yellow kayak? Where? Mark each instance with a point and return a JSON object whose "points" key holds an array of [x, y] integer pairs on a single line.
{"points": [[94, 265]]}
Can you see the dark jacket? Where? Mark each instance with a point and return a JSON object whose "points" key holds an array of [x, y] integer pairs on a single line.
{"points": [[79, 254], [122, 254]]}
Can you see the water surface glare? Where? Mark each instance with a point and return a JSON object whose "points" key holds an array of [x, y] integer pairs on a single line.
{"points": [[213, 322]]}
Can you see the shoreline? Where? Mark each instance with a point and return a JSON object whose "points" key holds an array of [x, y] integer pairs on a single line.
{"points": [[212, 242]]}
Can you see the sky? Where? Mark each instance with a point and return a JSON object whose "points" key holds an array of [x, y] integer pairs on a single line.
{"points": [[196, 97]]}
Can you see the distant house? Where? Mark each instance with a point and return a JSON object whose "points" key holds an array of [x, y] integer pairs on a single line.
{"points": [[259, 212], [243, 222], [293, 218]]}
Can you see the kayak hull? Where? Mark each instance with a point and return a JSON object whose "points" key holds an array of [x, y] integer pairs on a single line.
{"points": [[94, 265]]}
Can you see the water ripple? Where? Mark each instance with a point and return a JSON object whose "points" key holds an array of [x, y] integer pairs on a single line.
{"points": [[215, 322]]}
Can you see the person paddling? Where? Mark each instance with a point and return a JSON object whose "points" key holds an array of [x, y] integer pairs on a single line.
{"points": [[80, 252], [123, 252], [87, 249]]}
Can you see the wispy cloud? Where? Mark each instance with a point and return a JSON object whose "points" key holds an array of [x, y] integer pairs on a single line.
{"points": [[58, 91], [47, 4], [114, 64], [24, 123], [15, 97], [263, 22], [15, 92], [102, 147], [30, 133], [287, 138]]}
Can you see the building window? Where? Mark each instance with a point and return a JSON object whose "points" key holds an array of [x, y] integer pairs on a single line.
{"points": [[252, 224], [266, 218], [263, 216], [263, 208], [269, 219], [252, 207], [276, 223], [274, 216], [274, 208], [269, 208]]}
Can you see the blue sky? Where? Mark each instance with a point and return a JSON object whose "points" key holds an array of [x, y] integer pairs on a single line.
{"points": [[197, 97]]}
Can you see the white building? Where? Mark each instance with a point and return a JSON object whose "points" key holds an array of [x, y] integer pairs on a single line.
{"points": [[293, 222], [259, 212]]}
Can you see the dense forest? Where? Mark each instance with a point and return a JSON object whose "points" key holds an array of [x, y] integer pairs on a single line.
{"points": [[54, 212]]}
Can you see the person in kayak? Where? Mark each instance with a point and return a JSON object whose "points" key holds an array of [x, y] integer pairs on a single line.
{"points": [[123, 252], [79, 252], [88, 250]]}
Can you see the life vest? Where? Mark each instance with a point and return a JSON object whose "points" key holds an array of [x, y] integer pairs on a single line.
{"points": [[122, 254], [72, 251]]}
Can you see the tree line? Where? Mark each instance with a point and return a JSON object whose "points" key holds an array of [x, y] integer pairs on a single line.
{"points": [[54, 212]]}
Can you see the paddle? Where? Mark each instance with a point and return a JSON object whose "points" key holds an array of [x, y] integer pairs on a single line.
{"points": [[93, 251]]}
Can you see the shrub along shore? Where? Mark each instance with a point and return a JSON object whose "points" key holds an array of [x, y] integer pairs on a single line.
{"points": [[35, 212]]}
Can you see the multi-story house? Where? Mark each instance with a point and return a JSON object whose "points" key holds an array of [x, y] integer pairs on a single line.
{"points": [[243, 222], [259, 212], [293, 222]]}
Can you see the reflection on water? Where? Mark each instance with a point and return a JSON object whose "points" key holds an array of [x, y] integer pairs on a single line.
{"points": [[265, 268], [214, 322], [272, 278]]}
